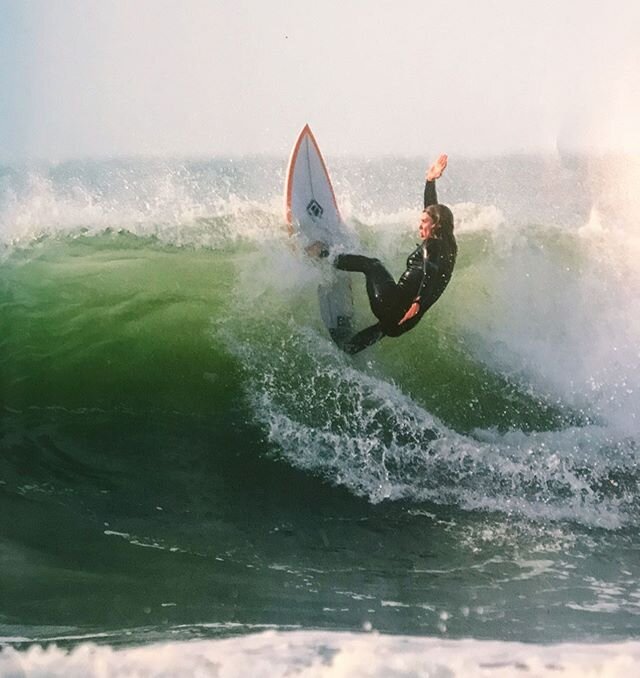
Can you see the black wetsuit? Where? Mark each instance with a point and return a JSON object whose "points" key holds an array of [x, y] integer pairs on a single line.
{"points": [[428, 272]]}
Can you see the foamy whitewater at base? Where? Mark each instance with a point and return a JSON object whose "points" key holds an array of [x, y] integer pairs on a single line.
{"points": [[186, 456], [311, 654]]}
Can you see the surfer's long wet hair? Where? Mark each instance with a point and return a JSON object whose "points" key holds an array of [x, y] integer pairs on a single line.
{"points": [[442, 218]]}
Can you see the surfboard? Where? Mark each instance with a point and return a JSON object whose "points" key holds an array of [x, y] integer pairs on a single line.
{"points": [[312, 215]]}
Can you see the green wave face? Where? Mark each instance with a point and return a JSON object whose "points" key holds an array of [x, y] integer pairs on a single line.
{"points": [[114, 322], [123, 322]]}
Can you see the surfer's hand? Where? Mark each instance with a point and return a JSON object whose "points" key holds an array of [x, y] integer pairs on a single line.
{"points": [[435, 171], [413, 310]]}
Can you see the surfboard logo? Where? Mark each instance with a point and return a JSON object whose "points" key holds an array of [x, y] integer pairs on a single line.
{"points": [[314, 209]]}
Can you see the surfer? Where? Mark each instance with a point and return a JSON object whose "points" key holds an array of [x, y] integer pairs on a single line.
{"points": [[399, 306]]}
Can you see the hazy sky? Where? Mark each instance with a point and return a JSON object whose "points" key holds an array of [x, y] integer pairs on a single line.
{"points": [[216, 77]]}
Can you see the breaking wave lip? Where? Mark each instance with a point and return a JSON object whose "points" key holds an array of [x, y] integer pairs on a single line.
{"points": [[168, 203], [316, 653], [180, 204]]}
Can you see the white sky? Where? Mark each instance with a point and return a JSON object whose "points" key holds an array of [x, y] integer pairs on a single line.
{"points": [[217, 77]]}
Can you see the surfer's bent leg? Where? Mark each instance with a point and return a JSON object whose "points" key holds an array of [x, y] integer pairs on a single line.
{"points": [[381, 287], [363, 339]]}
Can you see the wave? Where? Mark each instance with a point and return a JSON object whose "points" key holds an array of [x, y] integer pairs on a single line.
{"points": [[166, 291]]}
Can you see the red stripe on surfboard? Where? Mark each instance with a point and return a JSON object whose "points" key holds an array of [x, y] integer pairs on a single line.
{"points": [[306, 131]]}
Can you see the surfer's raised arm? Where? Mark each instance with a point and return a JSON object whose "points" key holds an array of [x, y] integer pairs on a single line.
{"points": [[434, 172]]}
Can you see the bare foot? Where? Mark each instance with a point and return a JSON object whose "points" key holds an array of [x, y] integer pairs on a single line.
{"points": [[317, 249]]}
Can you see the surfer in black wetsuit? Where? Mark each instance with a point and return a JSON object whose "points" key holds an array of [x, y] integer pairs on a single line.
{"points": [[399, 306]]}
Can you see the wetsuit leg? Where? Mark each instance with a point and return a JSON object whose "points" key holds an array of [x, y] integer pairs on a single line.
{"points": [[363, 339], [381, 287]]}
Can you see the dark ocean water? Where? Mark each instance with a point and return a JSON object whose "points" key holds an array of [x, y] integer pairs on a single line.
{"points": [[185, 454]]}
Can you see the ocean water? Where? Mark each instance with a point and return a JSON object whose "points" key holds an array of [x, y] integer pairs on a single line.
{"points": [[194, 479]]}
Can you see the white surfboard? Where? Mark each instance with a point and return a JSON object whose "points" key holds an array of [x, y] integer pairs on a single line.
{"points": [[312, 215]]}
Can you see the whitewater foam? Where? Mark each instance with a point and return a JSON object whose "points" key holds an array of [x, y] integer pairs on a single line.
{"points": [[320, 654], [358, 430]]}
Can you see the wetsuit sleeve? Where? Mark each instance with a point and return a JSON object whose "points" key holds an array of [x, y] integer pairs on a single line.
{"points": [[430, 195]]}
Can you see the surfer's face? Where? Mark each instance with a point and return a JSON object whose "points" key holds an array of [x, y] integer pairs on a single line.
{"points": [[426, 225]]}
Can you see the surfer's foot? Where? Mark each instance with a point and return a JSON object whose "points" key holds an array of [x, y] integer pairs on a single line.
{"points": [[317, 249]]}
